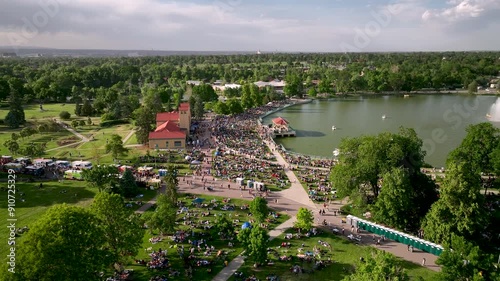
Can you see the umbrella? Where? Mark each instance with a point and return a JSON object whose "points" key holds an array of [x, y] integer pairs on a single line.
{"points": [[198, 200], [195, 162], [188, 158], [246, 225]]}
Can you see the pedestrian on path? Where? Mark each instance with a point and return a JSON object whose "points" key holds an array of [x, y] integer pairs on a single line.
{"points": [[423, 262]]}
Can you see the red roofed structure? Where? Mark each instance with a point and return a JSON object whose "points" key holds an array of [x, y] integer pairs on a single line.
{"points": [[172, 128], [280, 121]]}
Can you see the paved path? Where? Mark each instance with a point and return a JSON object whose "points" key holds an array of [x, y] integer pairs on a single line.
{"points": [[151, 202], [82, 137], [237, 262], [132, 132], [68, 145]]}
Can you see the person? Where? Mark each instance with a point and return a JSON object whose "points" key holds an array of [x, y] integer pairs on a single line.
{"points": [[408, 248], [423, 262]]}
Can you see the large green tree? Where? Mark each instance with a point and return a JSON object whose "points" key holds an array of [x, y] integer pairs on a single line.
{"points": [[171, 183], [305, 219], [255, 241], [66, 243], [379, 266], [164, 216], [123, 231], [15, 117], [259, 209], [463, 261], [144, 121], [103, 177], [459, 208], [128, 185], [477, 147], [363, 162], [115, 146]]}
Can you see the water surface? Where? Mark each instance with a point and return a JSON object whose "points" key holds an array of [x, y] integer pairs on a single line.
{"points": [[439, 120]]}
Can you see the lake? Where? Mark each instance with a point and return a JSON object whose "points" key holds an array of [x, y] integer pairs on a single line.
{"points": [[439, 120]]}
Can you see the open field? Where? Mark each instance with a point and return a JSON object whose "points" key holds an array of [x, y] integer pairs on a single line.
{"points": [[344, 256], [32, 112], [32, 202]]}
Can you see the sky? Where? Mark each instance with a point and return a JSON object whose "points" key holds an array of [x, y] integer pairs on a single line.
{"points": [[251, 25]]}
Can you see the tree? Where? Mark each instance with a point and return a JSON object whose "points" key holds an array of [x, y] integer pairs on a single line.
{"points": [[364, 160], [234, 107], [66, 243], [89, 121], [379, 266], [64, 115], [15, 117], [199, 109], [33, 149], [123, 232], [164, 217], [171, 183], [78, 109], [12, 146], [75, 124], [115, 146], [463, 261], [223, 227], [259, 241], [102, 177], [255, 241], [477, 147], [14, 136], [86, 109], [259, 209], [459, 208], [305, 219], [81, 123], [144, 120], [294, 85], [128, 185], [395, 202], [472, 87], [205, 92], [312, 92]]}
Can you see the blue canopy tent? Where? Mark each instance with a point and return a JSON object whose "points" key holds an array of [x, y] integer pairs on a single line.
{"points": [[246, 225], [198, 200]]}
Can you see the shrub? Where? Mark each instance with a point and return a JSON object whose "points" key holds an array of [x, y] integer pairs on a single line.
{"points": [[114, 122], [107, 117], [64, 115]]}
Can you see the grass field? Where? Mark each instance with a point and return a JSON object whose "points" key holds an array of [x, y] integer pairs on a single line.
{"points": [[141, 273], [32, 202], [344, 255], [33, 112]]}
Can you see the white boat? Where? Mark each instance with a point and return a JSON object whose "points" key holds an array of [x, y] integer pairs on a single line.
{"points": [[383, 116], [336, 152], [334, 128]]}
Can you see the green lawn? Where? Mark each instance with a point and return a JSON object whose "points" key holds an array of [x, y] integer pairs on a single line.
{"points": [[30, 206], [141, 273], [37, 201], [344, 256], [33, 112]]}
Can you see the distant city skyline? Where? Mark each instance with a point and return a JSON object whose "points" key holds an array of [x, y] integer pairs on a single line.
{"points": [[244, 25]]}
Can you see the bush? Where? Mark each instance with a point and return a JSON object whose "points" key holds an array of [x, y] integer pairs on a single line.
{"points": [[65, 115], [107, 117], [114, 122]]}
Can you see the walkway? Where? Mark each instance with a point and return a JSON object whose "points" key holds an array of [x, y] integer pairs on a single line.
{"points": [[64, 146], [132, 132], [82, 137], [237, 262]]}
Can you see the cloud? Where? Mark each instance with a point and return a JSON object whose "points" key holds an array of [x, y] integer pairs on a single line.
{"points": [[462, 10], [237, 24]]}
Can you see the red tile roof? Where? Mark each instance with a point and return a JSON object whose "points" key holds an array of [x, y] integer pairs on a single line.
{"points": [[280, 121], [184, 106], [167, 130], [167, 135], [169, 126], [167, 116]]}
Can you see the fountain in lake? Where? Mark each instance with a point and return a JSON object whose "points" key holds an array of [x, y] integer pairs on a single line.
{"points": [[494, 114]]}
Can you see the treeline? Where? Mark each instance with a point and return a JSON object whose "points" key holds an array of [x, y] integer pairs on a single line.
{"points": [[58, 78]]}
